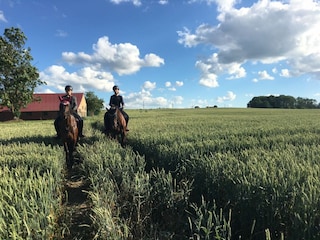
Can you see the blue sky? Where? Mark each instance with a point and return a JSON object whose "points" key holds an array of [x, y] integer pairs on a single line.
{"points": [[173, 53]]}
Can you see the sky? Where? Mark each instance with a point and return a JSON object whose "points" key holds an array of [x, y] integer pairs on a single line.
{"points": [[172, 53]]}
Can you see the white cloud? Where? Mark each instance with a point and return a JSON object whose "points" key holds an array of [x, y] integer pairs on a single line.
{"points": [[85, 78], [134, 2], [178, 100], [122, 58], [144, 99], [209, 2], [149, 85], [95, 70], [285, 73], [274, 70], [229, 97], [179, 83], [264, 75], [2, 17], [211, 68], [266, 32], [225, 5], [169, 86], [61, 33], [163, 2]]}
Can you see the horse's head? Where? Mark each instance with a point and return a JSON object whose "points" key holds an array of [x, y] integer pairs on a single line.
{"points": [[64, 107]]}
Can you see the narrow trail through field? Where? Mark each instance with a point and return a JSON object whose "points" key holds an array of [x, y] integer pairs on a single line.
{"points": [[75, 222]]}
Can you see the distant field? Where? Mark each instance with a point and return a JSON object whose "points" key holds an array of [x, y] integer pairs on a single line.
{"points": [[260, 164]]}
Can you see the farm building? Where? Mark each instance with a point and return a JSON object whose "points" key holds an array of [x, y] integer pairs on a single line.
{"points": [[46, 108]]}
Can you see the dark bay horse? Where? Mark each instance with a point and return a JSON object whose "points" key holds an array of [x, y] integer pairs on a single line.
{"points": [[68, 131], [115, 125]]}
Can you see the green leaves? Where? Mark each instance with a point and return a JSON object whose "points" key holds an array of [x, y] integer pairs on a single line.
{"points": [[18, 78]]}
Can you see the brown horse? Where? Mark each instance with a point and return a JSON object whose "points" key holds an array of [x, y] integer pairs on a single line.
{"points": [[115, 125], [68, 131]]}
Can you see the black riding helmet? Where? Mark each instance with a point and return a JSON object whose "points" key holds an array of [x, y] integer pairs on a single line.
{"points": [[115, 87], [67, 88]]}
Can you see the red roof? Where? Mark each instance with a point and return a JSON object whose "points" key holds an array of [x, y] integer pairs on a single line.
{"points": [[49, 102]]}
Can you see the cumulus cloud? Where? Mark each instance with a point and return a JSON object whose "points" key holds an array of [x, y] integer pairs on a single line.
{"points": [[264, 75], [163, 2], [285, 73], [61, 33], [86, 78], [173, 88], [144, 99], [177, 100], [170, 87], [2, 17], [94, 70], [123, 58], [266, 32], [179, 83], [229, 97], [149, 85], [134, 2]]}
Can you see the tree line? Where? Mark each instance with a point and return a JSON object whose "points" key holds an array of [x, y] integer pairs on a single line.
{"points": [[283, 101]]}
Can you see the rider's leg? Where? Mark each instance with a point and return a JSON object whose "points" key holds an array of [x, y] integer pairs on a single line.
{"points": [[79, 124], [126, 117], [56, 126]]}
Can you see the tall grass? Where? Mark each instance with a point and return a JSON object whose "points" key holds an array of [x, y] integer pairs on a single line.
{"points": [[261, 163], [185, 174], [30, 181]]}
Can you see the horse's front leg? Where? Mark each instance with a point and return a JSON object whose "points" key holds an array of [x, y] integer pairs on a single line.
{"points": [[123, 138], [68, 156]]}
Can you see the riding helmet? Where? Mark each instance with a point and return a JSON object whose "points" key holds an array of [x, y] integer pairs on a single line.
{"points": [[115, 87], [67, 88]]}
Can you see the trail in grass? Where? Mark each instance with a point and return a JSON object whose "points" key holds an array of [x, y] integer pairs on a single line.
{"points": [[75, 222]]}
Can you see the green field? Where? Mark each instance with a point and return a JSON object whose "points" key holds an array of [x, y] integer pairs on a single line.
{"points": [[185, 174]]}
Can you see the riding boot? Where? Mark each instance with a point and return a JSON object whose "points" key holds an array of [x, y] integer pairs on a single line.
{"points": [[56, 128], [127, 120], [80, 127]]}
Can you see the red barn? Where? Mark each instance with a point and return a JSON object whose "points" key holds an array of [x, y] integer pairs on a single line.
{"points": [[46, 108]]}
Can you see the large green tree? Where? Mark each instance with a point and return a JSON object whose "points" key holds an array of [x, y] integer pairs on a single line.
{"points": [[18, 77], [94, 104], [282, 101]]}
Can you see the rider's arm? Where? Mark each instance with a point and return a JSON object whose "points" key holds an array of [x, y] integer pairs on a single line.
{"points": [[74, 104]]}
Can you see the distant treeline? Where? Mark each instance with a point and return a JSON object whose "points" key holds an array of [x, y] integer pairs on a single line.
{"points": [[282, 101]]}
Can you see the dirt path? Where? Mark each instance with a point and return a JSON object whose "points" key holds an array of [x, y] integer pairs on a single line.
{"points": [[75, 222]]}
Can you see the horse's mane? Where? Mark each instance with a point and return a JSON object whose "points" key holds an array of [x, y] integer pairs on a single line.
{"points": [[64, 109]]}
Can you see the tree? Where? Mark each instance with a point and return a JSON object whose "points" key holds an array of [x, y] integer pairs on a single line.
{"points": [[94, 104], [282, 101], [18, 78]]}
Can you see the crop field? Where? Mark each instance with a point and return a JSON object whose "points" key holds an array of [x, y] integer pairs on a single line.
{"points": [[184, 174]]}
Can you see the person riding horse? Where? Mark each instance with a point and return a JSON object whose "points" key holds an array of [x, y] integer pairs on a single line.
{"points": [[73, 105], [116, 101]]}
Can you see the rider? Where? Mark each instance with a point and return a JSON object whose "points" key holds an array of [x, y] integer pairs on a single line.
{"points": [[73, 105], [116, 100]]}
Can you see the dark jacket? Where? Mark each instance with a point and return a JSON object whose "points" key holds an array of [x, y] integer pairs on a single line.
{"points": [[73, 102], [116, 101]]}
